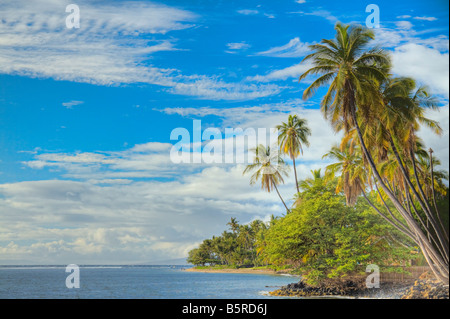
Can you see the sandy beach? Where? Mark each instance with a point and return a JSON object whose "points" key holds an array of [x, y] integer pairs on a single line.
{"points": [[240, 271]]}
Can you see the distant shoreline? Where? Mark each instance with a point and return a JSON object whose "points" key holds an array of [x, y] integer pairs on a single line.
{"points": [[239, 271]]}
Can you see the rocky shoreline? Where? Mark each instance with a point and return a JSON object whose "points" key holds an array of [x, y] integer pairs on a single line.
{"points": [[423, 288], [427, 289]]}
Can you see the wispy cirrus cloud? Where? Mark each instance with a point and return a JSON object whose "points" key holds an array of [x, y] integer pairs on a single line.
{"points": [[425, 18], [248, 12], [114, 46], [100, 52], [293, 49], [255, 12], [320, 13], [238, 46], [150, 160], [71, 104], [235, 47], [291, 72]]}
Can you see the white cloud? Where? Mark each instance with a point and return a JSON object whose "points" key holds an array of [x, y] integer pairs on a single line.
{"points": [[293, 71], [65, 221], [300, 1], [141, 161], [254, 12], [320, 13], [426, 18], [293, 49], [71, 104], [247, 12], [425, 64], [392, 38], [238, 46], [215, 89], [269, 115], [404, 25], [425, 59]]}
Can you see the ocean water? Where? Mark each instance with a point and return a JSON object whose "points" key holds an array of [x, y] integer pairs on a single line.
{"points": [[137, 282]]}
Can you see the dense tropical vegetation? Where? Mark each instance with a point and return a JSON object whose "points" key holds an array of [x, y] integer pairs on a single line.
{"points": [[381, 201]]}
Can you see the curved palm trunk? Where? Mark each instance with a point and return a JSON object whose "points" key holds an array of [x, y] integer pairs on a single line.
{"points": [[443, 244], [295, 174], [438, 265], [276, 188]]}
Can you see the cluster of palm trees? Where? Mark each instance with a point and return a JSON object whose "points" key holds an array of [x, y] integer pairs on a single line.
{"points": [[380, 116], [235, 247]]}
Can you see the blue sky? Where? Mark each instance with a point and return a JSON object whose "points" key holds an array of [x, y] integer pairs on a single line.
{"points": [[86, 114]]}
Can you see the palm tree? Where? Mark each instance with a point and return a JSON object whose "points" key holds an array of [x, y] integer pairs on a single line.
{"points": [[352, 175], [270, 168], [234, 225], [308, 183], [293, 134], [424, 172], [356, 75], [353, 73]]}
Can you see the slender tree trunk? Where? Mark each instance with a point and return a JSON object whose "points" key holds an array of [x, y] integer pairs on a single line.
{"points": [[402, 230], [276, 188], [295, 174], [403, 226], [443, 243]]}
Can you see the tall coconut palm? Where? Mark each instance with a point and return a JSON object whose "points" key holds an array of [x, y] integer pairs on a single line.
{"points": [[351, 69], [354, 74], [292, 136], [270, 168]]}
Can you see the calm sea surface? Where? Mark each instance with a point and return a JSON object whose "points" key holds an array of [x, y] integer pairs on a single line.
{"points": [[120, 282]]}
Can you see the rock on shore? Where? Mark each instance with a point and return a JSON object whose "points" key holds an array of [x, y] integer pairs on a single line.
{"points": [[424, 288], [348, 287]]}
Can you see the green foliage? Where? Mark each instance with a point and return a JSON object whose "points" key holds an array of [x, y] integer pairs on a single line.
{"points": [[324, 237]]}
